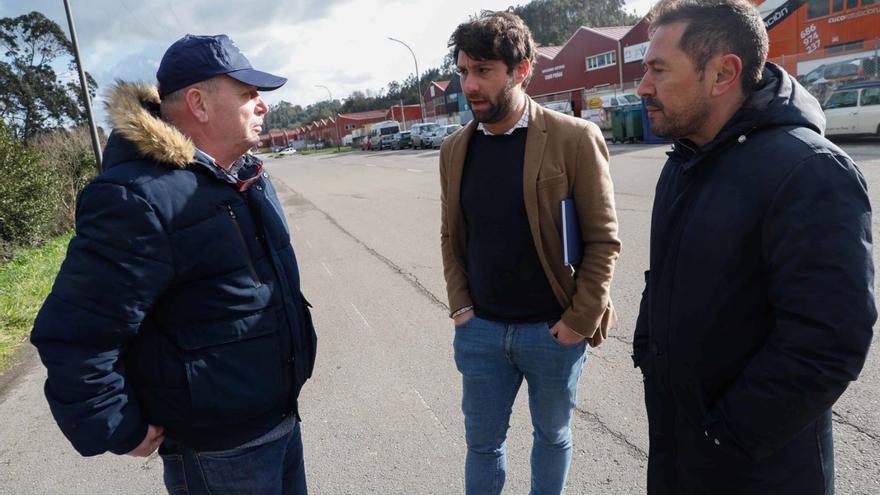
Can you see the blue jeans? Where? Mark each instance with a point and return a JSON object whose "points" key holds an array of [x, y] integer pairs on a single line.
{"points": [[274, 467], [493, 359]]}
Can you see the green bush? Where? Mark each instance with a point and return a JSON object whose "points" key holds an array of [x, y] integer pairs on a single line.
{"points": [[28, 195], [70, 157]]}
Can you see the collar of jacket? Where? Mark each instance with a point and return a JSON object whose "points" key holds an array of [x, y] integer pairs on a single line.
{"points": [[535, 142]]}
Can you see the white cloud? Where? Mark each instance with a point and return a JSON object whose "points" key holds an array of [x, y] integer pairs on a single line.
{"points": [[341, 44]]}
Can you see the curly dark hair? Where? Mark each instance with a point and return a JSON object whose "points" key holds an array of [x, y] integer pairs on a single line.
{"points": [[717, 27], [495, 36]]}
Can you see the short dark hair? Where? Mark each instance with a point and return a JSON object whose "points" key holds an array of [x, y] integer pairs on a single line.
{"points": [[495, 36], [716, 27]]}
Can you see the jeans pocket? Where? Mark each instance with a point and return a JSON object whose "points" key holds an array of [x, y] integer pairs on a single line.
{"points": [[251, 469], [556, 341], [466, 322], [174, 474]]}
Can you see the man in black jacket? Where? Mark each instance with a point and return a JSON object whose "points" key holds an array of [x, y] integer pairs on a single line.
{"points": [[758, 306], [176, 321]]}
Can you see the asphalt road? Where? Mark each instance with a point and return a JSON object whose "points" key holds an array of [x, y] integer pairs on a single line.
{"points": [[381, 414]]}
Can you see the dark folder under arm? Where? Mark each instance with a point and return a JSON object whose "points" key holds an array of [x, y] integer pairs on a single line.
{"points": [[572, 243]]}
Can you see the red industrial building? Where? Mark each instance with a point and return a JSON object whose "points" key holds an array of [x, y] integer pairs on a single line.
{"points": [[332, 130], [805, 35], [594, 61], [435, 99], [411, 114]]}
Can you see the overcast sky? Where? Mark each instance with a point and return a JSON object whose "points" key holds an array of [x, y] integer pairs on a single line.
{"points": [[341, 44]]}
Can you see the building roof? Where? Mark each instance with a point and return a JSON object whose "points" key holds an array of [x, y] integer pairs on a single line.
{"points": [[441, 84], [369, 114], [549, 51], [615, 32]]}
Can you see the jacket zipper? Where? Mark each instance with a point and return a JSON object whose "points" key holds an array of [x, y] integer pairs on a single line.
{"points": [[247, 251]]}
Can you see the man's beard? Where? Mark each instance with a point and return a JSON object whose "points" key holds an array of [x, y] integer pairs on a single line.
{"points": [[499, 110], [678, 125]]}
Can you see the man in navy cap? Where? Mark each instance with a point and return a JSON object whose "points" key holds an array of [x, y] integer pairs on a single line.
{"points": [[176, 321]]}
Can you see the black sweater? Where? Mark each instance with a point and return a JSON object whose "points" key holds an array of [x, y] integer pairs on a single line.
{"points": [[506, 280]]}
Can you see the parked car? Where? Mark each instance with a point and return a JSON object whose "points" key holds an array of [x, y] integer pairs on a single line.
{"points": [[442, 133], [853, 110], [381, 134], [287, 151], [822, 80], [420, 132], [401, 140]]}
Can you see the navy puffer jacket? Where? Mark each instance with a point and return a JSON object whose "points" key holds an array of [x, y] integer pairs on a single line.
{"points": [[179, 301]]}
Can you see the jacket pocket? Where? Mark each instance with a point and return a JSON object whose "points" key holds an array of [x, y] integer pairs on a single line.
{"points": [[310, 334], [234, 369], [551, 181]]}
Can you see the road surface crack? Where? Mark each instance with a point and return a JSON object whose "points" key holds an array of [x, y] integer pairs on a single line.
{"points": [[409, 277], [634, 449], [837, 418]]}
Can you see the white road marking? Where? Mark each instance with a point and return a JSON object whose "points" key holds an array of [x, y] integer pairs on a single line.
{"points": [[309, 244], [436, 419], [296, 227], [327, 269], [366, 323], [370, 165], [414, 170]]}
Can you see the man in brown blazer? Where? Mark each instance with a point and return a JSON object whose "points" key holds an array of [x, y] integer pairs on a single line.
{"points": [[519, 311]]}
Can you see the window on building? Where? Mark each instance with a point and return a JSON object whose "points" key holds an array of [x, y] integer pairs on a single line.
{"points": [[844, 47], [818, 8], [837, 5], [868, 2], [851, 4], [601, 60]]}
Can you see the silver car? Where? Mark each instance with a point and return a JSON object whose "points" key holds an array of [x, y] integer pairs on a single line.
{"points": [[420, 134], [442, 133]]}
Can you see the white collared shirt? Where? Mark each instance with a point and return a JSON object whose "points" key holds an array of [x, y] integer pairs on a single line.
{"points": [[521, 123]]}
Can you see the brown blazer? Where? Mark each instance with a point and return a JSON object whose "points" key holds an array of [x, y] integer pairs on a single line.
{"points": [[564, 157]]}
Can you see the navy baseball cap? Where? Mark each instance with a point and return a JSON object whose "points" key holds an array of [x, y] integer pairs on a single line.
{"points": [[193, 59]]}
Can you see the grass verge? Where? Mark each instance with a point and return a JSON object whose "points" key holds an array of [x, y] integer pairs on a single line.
{"points": [[25, 281]]}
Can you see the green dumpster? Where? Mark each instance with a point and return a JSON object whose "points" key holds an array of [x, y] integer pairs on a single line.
{"points": [[633, 123], [618, 125]]}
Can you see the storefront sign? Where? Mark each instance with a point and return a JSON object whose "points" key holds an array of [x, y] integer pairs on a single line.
{"points": [[553, 72], [635, 52]]}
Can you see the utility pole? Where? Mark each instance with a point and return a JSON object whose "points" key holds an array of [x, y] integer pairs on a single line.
{"points": [[402, 114], [96, 145], [336, 120]]}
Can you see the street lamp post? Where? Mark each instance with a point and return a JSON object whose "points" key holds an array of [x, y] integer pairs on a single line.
{"points": [[418, 79], [336, 120]]}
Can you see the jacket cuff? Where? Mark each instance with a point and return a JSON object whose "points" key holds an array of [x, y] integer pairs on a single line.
{"points": [[132, 440], [718, 436], [595, 330], [455, 304]]}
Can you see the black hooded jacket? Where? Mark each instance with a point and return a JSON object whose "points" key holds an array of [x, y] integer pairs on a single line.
{"points": [[758, 307]]}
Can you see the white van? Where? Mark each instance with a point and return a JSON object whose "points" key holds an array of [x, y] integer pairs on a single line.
{"points": [[853, 109], [381, 134]]}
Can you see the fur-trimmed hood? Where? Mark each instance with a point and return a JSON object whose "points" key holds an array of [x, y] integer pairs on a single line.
{"points": [[134, 115]]}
